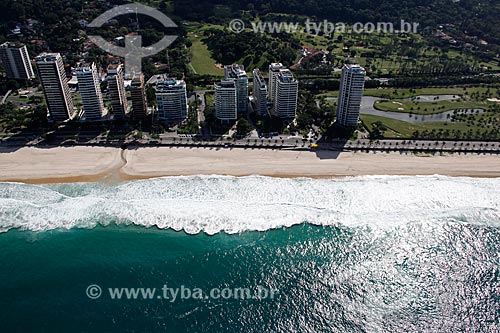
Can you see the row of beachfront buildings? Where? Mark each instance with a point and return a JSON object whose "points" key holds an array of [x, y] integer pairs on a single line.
{"points": [[278, 96], [60, 104]]}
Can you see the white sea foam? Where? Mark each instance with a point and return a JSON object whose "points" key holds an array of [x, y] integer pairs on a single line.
{"points": [[213, 204]]}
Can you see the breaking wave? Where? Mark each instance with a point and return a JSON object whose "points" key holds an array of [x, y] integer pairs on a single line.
{"points": [[213, 204]]}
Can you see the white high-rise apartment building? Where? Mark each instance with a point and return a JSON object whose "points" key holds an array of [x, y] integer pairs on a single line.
{"points": [[285, 95], [117, 93], [90, 91], [274, 70], [259, 93], [171, 99], [226, 101], [16, 61], [50, 69], [237, 73], [350, 95]]}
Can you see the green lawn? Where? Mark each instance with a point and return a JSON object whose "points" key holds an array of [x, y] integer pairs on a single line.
{"points": [[405, 93], [417, 107], [397, 93], [396, 128], [403, 129], [17, 99], [493, 65], [201, 59], [457, 90], [209, 99]]}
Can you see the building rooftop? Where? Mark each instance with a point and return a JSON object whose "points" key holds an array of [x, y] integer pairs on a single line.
{"points": [[155, 79], [73, 80], [226, 84], [47, 57], [84, 69], [113, 69], [355, 68], [258, 75], [137, 81], [235, 70], [170, 84], [285, 75], [12, 45], [276, 66]]}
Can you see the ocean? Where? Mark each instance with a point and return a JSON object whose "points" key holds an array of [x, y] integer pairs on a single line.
{"points": [[360, 254]]}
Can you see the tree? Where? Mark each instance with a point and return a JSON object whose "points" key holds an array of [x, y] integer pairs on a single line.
{"points": [[243, 128], [12, 85]]}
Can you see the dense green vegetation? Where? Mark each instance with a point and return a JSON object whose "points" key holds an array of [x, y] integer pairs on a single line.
{"points": [[388, 54], [312, 117], [250, 49], [414, 64], [383, 55], [190, 125], [476, 17], [57, 27], [243, 128], [13, 119]]}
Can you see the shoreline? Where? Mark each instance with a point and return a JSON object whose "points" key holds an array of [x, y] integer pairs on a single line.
{"points": [[113, 165]]}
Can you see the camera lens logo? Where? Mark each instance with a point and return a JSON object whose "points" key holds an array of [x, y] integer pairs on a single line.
{"points": [[133, 52]]}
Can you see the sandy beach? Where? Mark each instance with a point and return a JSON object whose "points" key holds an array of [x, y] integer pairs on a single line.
{"points": [[61, 164], [72, 164]]}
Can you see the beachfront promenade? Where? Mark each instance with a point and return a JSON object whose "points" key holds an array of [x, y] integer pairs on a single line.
{"points": [[277, 142]]}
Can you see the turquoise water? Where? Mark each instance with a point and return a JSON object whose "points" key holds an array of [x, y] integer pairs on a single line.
{"points": [[340, 261]]}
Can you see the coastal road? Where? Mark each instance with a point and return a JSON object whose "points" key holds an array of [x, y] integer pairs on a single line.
{"points": [[282, 142]]}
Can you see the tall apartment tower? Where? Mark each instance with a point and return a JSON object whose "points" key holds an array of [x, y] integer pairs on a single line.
{"points": [[50, 69], [117, 93], [226, 101], [351, 91], [237, 73], [16, 61], [90, 91], [171, 99], [259, 93], [274, 70], [285, 94], [138, 95]]}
